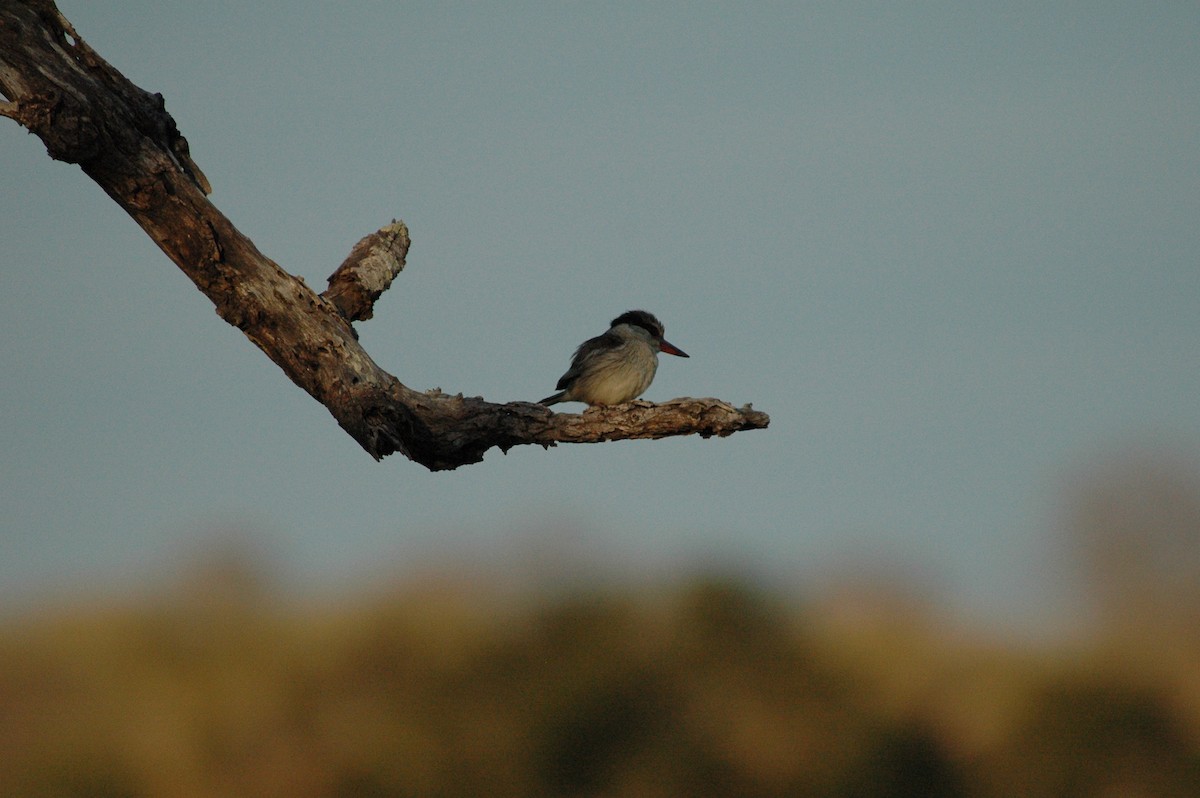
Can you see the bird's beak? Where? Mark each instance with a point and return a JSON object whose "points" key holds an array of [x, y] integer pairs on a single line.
{"points": [[670, 349]]}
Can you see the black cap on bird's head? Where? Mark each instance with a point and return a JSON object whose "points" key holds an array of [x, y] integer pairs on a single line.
{"points": [[647, 321], [640, 318]]}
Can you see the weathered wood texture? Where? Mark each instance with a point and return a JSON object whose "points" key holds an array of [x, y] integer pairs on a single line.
{"points": [[87, 113]]}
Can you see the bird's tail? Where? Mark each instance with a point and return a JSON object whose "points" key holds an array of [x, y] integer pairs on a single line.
{"points": [[553, 399]]}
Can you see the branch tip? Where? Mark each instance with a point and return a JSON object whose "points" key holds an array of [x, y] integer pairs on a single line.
{"points": [[368, 271]]}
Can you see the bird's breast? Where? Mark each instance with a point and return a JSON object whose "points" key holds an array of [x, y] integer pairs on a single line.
{"points": [[618, 376]]}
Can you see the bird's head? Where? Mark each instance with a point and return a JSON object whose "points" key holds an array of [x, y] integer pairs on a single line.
{"points": [[646, 321]]}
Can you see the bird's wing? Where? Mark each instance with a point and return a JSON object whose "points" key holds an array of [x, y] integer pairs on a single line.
{"points": [[587, 351]]}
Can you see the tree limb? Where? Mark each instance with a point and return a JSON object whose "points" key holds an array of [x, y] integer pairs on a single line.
{"points": [[88, 113]]}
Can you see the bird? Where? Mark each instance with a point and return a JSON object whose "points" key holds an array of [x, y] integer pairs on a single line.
{"points": [[618, 365]]}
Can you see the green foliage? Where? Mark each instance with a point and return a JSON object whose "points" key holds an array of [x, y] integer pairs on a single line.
{"points": [[706, 688]]}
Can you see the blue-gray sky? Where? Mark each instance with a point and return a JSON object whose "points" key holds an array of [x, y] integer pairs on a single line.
{"points": [[953, 250]]}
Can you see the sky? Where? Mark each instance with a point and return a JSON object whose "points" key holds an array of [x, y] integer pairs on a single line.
{"points": [[952, 249]]}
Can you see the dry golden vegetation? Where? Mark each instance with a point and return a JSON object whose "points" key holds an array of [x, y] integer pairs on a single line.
{"points": [[705, 687]]}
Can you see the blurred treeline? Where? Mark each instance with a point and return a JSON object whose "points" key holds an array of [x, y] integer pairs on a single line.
{"points": [[701, 686], [709, 688]]}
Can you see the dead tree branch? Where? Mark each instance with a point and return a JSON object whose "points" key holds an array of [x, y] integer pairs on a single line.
{"points": [[88, 113]]}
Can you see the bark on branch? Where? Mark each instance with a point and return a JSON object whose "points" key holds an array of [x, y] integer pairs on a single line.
{"points": [[368, 271], [88, 113]]}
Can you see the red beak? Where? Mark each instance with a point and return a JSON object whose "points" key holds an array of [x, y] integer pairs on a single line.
{"points": [[670, 349]]}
